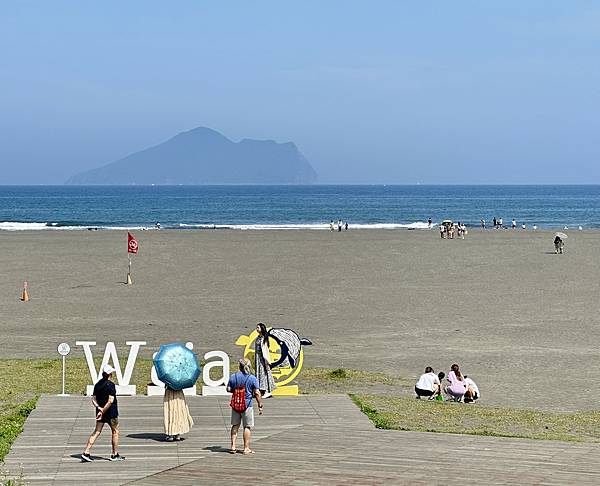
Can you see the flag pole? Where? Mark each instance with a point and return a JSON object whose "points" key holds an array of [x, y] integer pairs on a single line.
{"points": [[129, 282]]}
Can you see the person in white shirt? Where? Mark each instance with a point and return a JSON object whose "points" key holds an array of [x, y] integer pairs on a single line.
{"points": [[428, 384], [472, 392]]}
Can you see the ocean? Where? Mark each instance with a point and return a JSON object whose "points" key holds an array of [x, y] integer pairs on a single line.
{"points": [[293, 207]]}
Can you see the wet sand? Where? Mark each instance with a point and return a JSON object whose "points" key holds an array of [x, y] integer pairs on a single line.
{"points": [[522, 321]]}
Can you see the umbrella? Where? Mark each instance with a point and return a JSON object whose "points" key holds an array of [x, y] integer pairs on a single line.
{"points": [[176, 366], [447, 221], [562, 236]]}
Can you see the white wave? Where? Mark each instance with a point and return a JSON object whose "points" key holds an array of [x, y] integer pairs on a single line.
{"points": [[390, 226], [15, 226], [307, 226], [18, 226]]}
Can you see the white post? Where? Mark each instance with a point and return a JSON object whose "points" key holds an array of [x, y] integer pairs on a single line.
{"points": [[63, 377], [63, 349], [129, 282]]}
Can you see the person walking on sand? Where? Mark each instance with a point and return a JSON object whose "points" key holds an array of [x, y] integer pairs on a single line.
{"points": [[243, 386], [177, 418], [558, 244], [104, 398], [262, 362]]}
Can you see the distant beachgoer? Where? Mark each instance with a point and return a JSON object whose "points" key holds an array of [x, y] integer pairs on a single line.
{"points": [[472, 392], [346, 226], [428, 384], [339, 225], [534, 227], [104, 398], [246, 383], [157, 225], [262, 362], [513, 224], [429, 223], [177, 418], [500, 223], [331, 225], [558, 244], [463, 231], [524, 226], [495, 221], [456, 387], [442, 231], [483, 224]]}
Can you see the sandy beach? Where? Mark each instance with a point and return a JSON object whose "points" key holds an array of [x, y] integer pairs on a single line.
{"points": [[522, 321]]}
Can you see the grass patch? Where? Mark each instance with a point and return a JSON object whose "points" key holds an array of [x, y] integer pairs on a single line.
{"points": [[338, 373], [11, 425], [341, 380], [399, 413]]}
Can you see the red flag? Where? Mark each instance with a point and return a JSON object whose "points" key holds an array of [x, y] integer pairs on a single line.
{"points": [[132, 244]]}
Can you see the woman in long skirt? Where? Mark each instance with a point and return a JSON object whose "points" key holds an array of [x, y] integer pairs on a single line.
{"points": [[262, 361], [177, 415]]}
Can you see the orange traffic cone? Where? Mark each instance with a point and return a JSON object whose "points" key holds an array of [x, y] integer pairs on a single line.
{"points": [[25, 295]]}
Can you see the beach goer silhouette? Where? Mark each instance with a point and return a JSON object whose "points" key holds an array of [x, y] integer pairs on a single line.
{"points": [[558, 244]]}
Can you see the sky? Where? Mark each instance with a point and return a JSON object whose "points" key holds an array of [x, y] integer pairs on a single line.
{"points": [[386, 92]]}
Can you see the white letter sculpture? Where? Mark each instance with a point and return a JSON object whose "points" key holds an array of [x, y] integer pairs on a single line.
{"points": [[215, 387], [110, 353]]}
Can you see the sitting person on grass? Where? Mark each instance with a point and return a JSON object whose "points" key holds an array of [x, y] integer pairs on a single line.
{"points": [[457, 387], [472, 392], [428, 384]]}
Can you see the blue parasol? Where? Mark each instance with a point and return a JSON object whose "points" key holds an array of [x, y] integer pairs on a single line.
{"points": [[176, 366]]}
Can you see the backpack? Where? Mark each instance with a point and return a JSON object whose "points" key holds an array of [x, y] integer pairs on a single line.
{"points": [[238, 398]]}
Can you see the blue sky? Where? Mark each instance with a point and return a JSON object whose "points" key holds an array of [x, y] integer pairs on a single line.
{"points": [[371, 92]]}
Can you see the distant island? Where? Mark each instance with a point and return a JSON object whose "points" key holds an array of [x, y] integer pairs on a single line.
{"points": [[204, 156]]}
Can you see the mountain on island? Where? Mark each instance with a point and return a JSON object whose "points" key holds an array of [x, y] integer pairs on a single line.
{"points": [[204, 156]]}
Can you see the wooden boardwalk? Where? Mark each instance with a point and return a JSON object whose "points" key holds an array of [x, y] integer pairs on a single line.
{"points": [[299, 441]]}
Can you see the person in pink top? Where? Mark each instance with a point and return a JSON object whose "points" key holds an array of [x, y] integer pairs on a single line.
{"points": [[457, 386]]}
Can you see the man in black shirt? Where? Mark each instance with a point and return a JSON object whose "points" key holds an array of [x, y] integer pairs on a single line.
{"points": [[107, 412]]}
